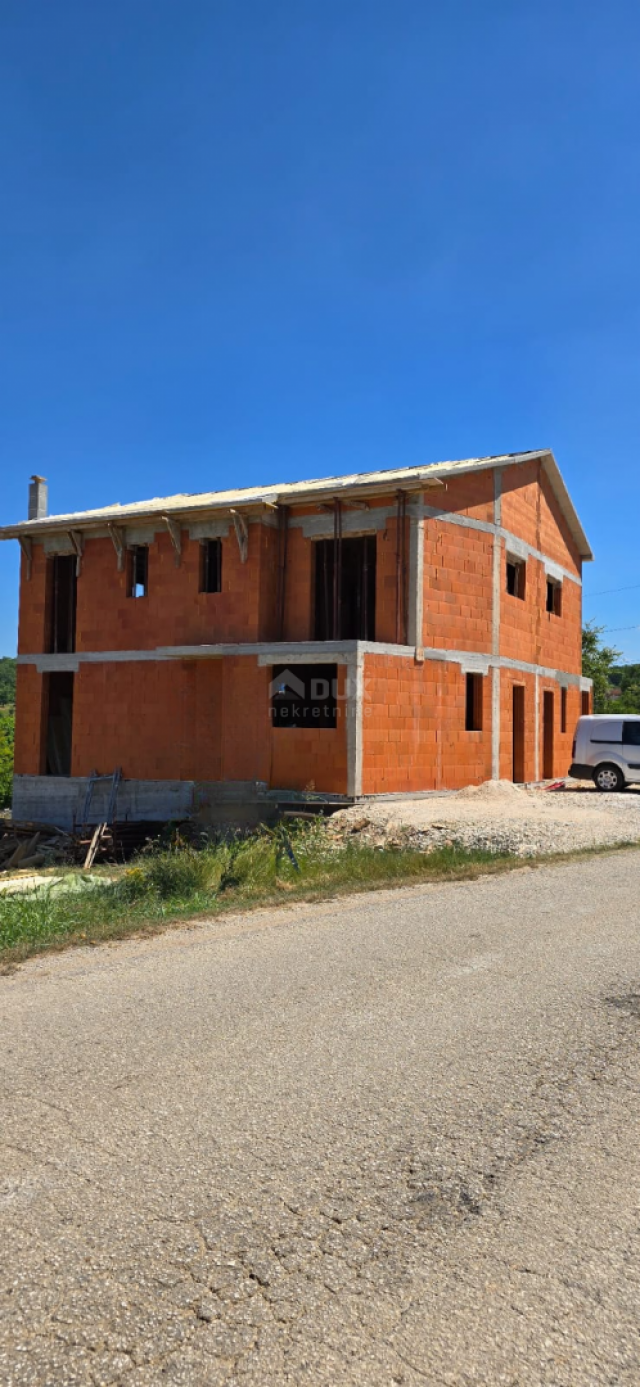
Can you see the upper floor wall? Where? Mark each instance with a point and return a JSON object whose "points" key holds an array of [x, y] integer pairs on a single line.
{"points": [[436, 569]]}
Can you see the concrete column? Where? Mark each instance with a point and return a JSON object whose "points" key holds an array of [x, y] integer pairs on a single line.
{"points": [[354, 712], [495, 624], [415, 632]]}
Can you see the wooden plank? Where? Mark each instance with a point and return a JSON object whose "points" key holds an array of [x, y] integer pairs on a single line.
{"points": [[25, 849], [93, 846]]}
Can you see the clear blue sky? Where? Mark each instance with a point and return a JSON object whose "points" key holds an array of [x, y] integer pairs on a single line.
{"points": [[255, 242]]}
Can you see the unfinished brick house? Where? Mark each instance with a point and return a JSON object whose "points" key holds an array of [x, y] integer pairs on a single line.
{"points": [[379, 633]]}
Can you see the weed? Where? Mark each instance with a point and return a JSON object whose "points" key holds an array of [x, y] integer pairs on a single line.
{"points": [[175, 880]]}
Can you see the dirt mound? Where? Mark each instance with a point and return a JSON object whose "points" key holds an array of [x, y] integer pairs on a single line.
{"points": [[492, 789]]}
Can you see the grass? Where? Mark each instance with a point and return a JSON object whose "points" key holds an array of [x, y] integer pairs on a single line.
{"points": [[178, 882]]}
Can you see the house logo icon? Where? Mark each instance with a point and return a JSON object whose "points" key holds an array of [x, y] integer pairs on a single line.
{"points": [[287, 684]]}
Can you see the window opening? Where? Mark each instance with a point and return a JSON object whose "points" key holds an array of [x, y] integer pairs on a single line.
{"points": [[516, 578], [554, 597], [63, 599], [139, 571], [211, 565], [473, 713], [59, 723], [345, 609], [304, 696]]}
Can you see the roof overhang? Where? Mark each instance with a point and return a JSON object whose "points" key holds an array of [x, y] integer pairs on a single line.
{"points": [[255, 501]]}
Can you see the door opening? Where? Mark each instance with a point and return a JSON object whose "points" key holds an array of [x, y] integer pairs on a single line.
{"points": [[59, 723], [518, 734], [356, 604], [62, 604], [547, 735]]}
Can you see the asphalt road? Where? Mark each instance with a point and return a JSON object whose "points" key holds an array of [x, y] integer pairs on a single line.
{"points": [[392, 1140]]}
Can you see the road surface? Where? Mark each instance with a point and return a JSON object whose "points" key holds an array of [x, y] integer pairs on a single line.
{"points": [[389, 1140]]}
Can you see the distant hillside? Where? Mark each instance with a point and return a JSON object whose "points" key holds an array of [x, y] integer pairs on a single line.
{"points": [[7, 681]]}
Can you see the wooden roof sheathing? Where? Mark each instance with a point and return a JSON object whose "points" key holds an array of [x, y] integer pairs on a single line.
{"points": [[194, 504]]}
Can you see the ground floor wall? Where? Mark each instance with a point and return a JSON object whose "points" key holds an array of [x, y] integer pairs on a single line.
{"points": [[401, 726], [204, 721], [414, 733]]}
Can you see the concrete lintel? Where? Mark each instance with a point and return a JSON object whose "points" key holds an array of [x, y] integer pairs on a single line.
{"points": [[142, 534], [58, 544], [475, 664], [209, 529], [52, 664]]}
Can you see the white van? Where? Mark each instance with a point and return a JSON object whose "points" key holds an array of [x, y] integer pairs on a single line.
{"points": [[606, 750]]}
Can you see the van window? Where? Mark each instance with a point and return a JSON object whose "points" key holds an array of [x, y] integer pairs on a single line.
{"points": [[631, 733], [605, 731]]}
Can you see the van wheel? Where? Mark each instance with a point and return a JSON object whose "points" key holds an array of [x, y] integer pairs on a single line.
{"points": [[609, 778]]}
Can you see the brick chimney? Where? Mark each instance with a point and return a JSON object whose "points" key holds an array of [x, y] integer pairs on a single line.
{"points": [[38, 498]]}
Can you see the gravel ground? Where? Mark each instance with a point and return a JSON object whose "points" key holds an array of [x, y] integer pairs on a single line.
{"points": [[382, 1142], [500, 817]]}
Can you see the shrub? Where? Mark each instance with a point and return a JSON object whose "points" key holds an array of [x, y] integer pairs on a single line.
{"points": [[7, 722]]}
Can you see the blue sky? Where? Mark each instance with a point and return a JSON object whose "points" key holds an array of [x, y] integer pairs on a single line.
{"points": [[256, 242]]}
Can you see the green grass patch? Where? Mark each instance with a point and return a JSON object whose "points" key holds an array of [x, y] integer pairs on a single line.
{"points": [[178, 882]]}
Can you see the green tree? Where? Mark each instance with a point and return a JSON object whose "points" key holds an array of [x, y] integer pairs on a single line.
{"points": [[598, 661], [7, 722], [7, 681], [627, 679]]}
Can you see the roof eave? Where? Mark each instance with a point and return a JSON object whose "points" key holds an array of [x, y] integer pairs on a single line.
{"points": [[409, 481], [568, 509]]}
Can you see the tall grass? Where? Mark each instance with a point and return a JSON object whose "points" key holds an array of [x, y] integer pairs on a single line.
{"points": [[178, 880]]}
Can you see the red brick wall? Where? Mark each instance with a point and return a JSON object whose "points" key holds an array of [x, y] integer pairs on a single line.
{"points": [[174, 612], [469, 494], [531, 634], [157, 720], [414, 734], [458, 577], [391, 621], [562, 741], [32, 625], [530, 511], [30, 722], [315, 758], [298, 624], [204, 720]]}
